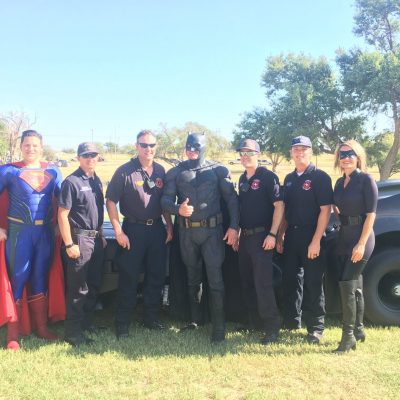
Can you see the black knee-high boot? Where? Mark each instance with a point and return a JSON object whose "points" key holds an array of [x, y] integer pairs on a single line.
{"points": [[359, 331], [348, 298]]}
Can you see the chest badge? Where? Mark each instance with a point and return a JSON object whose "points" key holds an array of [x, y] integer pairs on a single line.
{"points": [[159, 183], [307, 185], [139, 183], [36, 179], [255, 184]]}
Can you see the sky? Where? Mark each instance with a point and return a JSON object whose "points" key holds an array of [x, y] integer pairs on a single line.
{"points": [[104, 70]]}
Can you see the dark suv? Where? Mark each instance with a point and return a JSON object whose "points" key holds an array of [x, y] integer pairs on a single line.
{"points": [[381, 276]]}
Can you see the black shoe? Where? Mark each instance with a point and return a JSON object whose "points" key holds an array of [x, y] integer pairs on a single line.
{"points": [[359, 334], [154, 325], [78, 340], [94, 329], [270, 337], [314, 337], [122, 331], [191, 326]]}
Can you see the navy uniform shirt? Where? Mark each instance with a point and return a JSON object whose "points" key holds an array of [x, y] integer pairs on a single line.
{"points": [[83, 196], [128, 187], [305, 194], [257, 196]]}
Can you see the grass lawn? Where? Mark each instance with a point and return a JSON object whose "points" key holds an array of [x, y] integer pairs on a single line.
{"points": [[173, 365]]}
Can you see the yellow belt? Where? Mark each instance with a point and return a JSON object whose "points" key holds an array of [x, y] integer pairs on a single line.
{"points": [[36, 222]]}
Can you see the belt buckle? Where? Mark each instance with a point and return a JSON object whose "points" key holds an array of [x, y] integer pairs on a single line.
{"points": [[149, 222], [203, 223], [92, 234]]}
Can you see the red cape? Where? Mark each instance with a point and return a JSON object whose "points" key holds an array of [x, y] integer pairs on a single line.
{"points": [[56, 293]]}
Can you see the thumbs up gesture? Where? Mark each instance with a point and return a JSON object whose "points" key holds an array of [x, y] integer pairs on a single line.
{"points": [[185, 210]]}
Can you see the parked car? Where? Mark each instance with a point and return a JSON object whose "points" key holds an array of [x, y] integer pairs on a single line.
{"points": [[381, 275], [231, 162], [62, 163]]}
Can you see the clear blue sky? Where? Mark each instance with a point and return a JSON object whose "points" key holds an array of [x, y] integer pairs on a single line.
{"points": [[120, 66]]}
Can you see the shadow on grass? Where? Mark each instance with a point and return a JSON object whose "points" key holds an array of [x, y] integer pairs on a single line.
{"points": [[144, 343]]}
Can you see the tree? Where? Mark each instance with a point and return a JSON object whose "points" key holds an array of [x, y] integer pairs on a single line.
{"points": [[378, 148], [372, 78], [48, 153], [111, 147], [171, 142], [14, 123]]}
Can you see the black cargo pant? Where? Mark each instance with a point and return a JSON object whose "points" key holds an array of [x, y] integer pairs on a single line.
{"points": [[148, 254], [198, 245], [303, 281], [256, 273], [84, 276]]}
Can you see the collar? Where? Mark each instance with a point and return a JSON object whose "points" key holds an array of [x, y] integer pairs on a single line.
{"points": [[82, 174], [311, 168], [355, 173]]}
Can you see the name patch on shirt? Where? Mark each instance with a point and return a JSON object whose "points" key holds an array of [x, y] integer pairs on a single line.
{"points": [[85, 189]]}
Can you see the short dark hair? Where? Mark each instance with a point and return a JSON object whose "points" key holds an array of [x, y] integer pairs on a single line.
{"points": [[145, 132], [30, 133]]}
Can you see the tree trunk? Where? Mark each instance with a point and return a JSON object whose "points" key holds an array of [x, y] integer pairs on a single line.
{"points": [[390, 160]]}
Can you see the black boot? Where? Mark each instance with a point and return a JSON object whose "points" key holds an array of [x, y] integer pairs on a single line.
{"points": [[195, 293], [217, 316], [359, 331], [348, 298]]}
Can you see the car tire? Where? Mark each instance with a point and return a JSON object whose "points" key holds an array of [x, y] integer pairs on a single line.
{"points": [[382, 288]]}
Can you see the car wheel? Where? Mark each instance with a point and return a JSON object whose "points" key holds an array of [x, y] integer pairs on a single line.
{"points": [[382, 288]]}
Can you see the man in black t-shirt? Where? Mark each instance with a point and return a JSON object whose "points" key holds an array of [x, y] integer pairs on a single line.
{"points": [[308, 199], [137, 186], [80, 218], [261, 211]]}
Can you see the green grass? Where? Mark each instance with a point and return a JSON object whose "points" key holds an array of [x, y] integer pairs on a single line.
{"points": [[173, 365]]}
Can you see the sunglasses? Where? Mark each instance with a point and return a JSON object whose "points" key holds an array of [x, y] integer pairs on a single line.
{"points": [[347, 154], [247, 153], [89, 155], [146, 145]]}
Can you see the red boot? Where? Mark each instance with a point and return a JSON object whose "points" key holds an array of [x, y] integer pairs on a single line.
{"points": [[13, 330], [38, 309]]}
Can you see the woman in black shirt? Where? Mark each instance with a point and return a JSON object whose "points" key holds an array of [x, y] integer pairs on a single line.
{"points": [[355, 201]]}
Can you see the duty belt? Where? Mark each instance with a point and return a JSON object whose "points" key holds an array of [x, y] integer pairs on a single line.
{"points": [[210, 222], [20, 221], [351, 220], [85, 232], [252, 231], [142, 221]]}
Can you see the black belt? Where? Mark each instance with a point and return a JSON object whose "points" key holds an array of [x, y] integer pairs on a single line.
{"points": [[148, 222], [252, 231], [351, 220], [300, 226], [86, 232], [211, 222]]}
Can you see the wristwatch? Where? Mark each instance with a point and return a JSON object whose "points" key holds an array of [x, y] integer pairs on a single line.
{"points": [[68, 246]]}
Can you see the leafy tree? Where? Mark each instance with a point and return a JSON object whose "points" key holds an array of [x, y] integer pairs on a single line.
{"points": [[372, 78], [48, 153], [111, 147], [378, 148], [69, 151]]}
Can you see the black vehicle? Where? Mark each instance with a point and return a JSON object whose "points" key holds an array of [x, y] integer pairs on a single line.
{"points": [[381, 275]]}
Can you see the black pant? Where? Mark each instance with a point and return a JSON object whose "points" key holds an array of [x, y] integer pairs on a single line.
{"points": [[303, 281], [84, 275], [147, 254], [256, 272]]}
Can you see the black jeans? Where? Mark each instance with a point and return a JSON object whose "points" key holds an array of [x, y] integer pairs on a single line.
{"points": [[303, 281], [147, 254], [84, 275]]}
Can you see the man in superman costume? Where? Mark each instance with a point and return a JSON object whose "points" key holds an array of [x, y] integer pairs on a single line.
{"points": [[29, 243]]}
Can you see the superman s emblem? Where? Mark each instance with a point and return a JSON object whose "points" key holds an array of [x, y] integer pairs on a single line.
{"points": [[37, 179]]}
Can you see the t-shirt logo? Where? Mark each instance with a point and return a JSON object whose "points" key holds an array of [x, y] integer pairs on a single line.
{"points": [[159, 183], [37, 179], [255, 184], [307, 185]]}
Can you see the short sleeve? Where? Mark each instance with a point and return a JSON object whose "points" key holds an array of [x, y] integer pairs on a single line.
{"points": [[115, 188], [65, 198], [323, 190]]}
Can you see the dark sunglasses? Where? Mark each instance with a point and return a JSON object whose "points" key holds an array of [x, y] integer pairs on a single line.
{"points": [[146, 145], [347, 154], [89, 155]]}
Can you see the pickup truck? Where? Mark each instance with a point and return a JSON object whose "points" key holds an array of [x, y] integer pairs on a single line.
{"points": [[381, 275]]}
